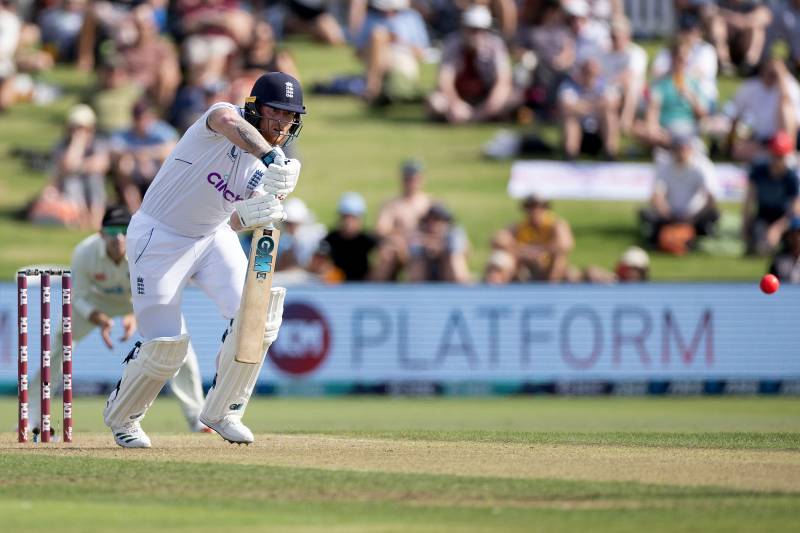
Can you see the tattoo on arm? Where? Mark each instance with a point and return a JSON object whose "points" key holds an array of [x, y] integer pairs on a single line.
{"points": [[256, 144]]}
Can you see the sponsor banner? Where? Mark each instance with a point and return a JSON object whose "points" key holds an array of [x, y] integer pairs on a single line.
{"points": [[435, 339], [606, 181]]}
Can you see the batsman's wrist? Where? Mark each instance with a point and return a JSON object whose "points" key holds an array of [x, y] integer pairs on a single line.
{"points": [[270, 157]]}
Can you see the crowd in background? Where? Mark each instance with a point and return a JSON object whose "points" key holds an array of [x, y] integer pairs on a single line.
{"points": [[572, 63]]}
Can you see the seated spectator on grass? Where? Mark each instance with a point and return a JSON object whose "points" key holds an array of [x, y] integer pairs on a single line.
{"points": [[313, 17], [139, 152], [501, 268], [701, 61], [786, 263], [676, 103], [114, 96], [194, 98], [541, 243], [590, 113], [397, 219], [350, 245], [10, 29], [104, 22], [633, 267], [474, 82], [592, 38], [300, 235], [443, 16], [390, 42], [75, 195], [438, 249], [772, 198], [60, 23], [683, 196], [624, 69], [738, 31], [151, 60], [786, 27], [763, 106]]}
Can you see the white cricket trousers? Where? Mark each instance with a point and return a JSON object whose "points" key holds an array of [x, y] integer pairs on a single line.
{"points": [[162, 262]]}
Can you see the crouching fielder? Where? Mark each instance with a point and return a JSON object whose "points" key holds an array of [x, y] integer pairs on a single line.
{"points": [[221, 177]]}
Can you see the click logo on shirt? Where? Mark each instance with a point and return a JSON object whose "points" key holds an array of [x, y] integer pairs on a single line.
{"points": [[219, 183]]}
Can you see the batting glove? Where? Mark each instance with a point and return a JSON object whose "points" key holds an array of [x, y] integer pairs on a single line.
{"points": [[260, 211]]}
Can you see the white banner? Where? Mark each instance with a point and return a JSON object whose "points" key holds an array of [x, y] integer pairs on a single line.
{"points": [[606, 181], [453, 334]]}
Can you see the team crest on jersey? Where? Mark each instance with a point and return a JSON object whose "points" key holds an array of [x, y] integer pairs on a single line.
{"points": [[255, 180], [234, 153], [289, 89]]}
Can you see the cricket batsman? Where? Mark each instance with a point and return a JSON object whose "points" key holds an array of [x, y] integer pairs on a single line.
{"points": [[227, 173], [101, 292]]}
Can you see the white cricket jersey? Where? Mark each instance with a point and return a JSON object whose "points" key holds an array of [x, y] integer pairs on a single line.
{"points": [[196, 187], [98, 283]]}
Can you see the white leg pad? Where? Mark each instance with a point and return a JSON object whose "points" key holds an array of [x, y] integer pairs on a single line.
{"points": [[149, 366], [235, 381]]}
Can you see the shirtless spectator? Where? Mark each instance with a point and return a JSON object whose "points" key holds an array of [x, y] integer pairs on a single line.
{"points": [[139, 152], [438, 249], [151, 60], [763, 106], [540, 243], [397, 219], [475, 74]]}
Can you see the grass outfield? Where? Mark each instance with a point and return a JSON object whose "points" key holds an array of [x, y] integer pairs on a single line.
{"points": [[377, 464], [347, 147]]}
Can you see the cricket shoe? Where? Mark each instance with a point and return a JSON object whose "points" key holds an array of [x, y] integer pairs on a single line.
{"points": [[231, 429], [199, 427], [131, 436]]}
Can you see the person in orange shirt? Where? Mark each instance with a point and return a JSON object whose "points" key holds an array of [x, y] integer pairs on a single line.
{"points": [[541, 242]]}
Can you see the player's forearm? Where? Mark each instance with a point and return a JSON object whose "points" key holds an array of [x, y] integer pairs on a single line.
{"points": [[238, 131]]}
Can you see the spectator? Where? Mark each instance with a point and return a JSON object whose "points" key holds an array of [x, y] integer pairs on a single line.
{"points": [[541, 243], [771, 200], [314, 18], [501, 268], [676, 103], [76, 195], [60, 23], [350, 245], [683, 194], [738, 31], [300, 237], [475, 73], [786, 263], [438, 249], [322, 268], [624, 69], [194, 98], [397, 219], [546, 53], [633, 267], [762, 107], [590, 113], [139, 152], [701, 61], [104, 21], [114, 96], [10, 29], [786, 26], [443, 16], [592, 39], [391, 42], [150, 59]]}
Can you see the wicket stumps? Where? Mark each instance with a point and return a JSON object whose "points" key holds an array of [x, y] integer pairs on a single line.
{"points": [[22, 357]]}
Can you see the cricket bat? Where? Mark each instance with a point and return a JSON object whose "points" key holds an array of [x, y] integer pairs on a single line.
{"points": [[255, 298]]}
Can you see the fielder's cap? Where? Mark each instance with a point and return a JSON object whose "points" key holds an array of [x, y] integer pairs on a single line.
{"points": [[411, 167], [81, 115], [577, 8], [390, 5], [439, 212], [477, 17], [352, 203], [116, 215], [635, 257], [279, 90], [534, 200], [296, 211], [781, 144]]}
